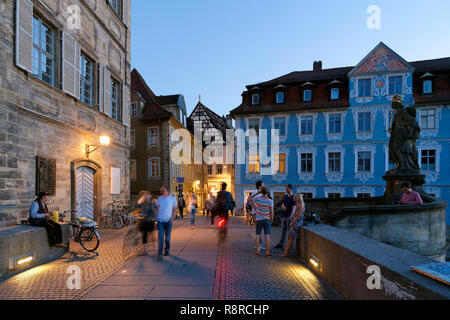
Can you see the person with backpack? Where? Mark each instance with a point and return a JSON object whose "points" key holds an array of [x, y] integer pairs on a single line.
{"points": [[224, 203], [181, 206]]}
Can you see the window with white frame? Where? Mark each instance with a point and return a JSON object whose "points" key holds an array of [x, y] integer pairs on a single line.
{"points": [[254, 124], [134, 109], [280, 163], [43, 55], [280, 97], [428, 118], [334, 94], [253, 163], [115, 100], [364, 122], [307, 195], [428, 160], [334, 195], [86, 80], [280, 124], [395, 85], [153, 136], [133, 138], [133, 169], [255, 99], [153, 168], [427, 86], [335, 123], [307, 95], [306, 125], [364, 162], [364, 87], [334, 162], [306, 163]]}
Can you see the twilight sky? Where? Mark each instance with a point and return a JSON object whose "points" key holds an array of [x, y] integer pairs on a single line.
{"points": [[215, 48]]}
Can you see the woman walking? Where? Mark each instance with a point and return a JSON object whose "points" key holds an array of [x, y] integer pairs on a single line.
{"points": [[147, 224], [192, 207], [295, 222]]}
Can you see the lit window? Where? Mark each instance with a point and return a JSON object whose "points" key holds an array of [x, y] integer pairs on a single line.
{"points": [[153, 136], [306, 126], [280, 124], [307, 95], [86, 80], [334, 123], [428, 160], [427, 86], [253, 164], [364, 161], [153, 168], [395, 85], [334, 162], [280, 97], [428, 119], [334, 93], [255, 99], [280, 163], [115, 100], [364, 87], [306, 163], [364, 122], [43, 57]]}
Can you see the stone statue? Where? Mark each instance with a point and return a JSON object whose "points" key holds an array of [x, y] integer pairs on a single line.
{"points": [[404, 134]]}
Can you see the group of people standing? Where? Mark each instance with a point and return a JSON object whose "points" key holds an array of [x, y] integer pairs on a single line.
{"points": [[260, 204]]}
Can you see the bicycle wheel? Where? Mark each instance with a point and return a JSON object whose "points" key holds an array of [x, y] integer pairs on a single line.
{"points": [[132, 242], [89, 239], [116, 221]]}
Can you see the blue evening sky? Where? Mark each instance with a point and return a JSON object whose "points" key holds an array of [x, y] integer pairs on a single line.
{"points": [[215, 48]]}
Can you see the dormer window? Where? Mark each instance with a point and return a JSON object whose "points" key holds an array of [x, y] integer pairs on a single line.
{"points": [[279, 97], [427, 86], [255, 99], [307, 95], [334, 94]]}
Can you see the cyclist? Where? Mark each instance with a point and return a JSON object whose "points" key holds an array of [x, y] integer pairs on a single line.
{"points": [[224, 203], [148, 214]]}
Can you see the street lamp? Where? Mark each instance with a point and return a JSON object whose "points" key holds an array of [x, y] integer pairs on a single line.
{"points": [[104, 141]]}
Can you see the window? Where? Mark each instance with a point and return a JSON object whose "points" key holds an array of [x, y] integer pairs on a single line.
{"points": [[280, 163], [334, 94], [307, 95], [334, 123], [364, 161], [153, 168], [115, 100], [307, 195], [86, 80], [134, 109], [306, 163], [43, 56], [253, 164], [364, 122], [280, 124], [153, 136], [219, 169], [395, 85], [306, 125], [334, 196], [427, 86], [364, 87], [363, 195], [428, 160], [334, 162], [280, 97], [254, 124], [133, 139], [428, 119], [117, 6], [133, 169], [255, 99]]}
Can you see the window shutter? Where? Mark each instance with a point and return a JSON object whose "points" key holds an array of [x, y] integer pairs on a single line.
{"points": [[126, 105], [101, 84], [107, 92], [70, 65], [24, 34]]}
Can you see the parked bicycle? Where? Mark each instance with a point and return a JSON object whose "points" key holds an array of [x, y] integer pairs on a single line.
{"points": [[85, 232], [118, 215]]}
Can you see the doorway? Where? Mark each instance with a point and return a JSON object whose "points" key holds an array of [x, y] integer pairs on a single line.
{"points": [[85, 192]]}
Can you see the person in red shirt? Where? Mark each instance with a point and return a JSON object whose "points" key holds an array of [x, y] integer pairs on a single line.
{"points": [[410, 197]]}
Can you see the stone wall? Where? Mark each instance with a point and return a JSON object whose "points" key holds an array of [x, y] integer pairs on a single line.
{"points": [[37, 119]]}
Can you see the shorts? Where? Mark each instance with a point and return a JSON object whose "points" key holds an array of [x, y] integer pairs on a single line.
{"points": [[260, 224]]}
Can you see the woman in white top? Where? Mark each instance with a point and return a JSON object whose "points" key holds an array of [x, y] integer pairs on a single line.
{"points": [[295, 222], [192, 206]]}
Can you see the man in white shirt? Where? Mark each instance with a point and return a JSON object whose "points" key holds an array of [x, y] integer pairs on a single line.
{"points": [[255, 194], [167, 208]]}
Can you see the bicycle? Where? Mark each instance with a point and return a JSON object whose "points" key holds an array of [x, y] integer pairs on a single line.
{"points": [[132, 242], [85, 232], [240, 212], [116, 218], [223, 231]]}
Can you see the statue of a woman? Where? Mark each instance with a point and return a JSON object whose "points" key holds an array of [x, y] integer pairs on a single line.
{"points": [[404, 134]]}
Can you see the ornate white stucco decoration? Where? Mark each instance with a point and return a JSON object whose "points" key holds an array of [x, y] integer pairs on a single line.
{"points": [[282, 176], [307, 138], [431, 176], [340, 190], [373, 115], [430, 133], [335, 136], [305, 189], [365, 176], [306, 176], [334, 177], [433, 190], [286, 122], [369, 190]]}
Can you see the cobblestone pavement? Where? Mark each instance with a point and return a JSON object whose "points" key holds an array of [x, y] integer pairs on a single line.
{"points": [[48, 281], [242, 276]]}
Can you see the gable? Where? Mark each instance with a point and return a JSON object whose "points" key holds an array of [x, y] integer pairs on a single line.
{"points": [[381, 60]]}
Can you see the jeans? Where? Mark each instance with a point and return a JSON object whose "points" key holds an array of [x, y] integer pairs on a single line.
{"points": [[164, 231], [193, 212], [284, 229]]}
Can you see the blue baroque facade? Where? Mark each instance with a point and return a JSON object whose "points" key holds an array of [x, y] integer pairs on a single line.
{"points": [[334, 126]]}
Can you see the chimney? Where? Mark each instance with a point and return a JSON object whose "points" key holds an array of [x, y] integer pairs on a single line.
{"points": [[229, 121], [317, 66]]}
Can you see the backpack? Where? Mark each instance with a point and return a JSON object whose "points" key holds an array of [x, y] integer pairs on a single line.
{"points": [[222, 203], [180, 202]]}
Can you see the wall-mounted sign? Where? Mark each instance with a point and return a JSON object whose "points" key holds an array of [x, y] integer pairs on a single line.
{"points": [[180, 180], [115, 180], [46, 175]]}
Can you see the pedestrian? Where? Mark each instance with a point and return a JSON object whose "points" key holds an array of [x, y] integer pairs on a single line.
{"points": [[181, 205], [295, 222], [167, 207], [209, 204], [264, 218], [410, 197], [40, 217], [148, 214], [288, 203], [224, 202], [256, 193], [192, 207]]}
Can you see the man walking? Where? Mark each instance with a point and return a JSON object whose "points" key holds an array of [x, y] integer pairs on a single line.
{"points": [[288, 203], [255, 194], [167, 208], [264, 218]]}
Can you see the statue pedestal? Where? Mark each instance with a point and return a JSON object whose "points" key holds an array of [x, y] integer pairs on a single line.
{"points": [[394, 193]]}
